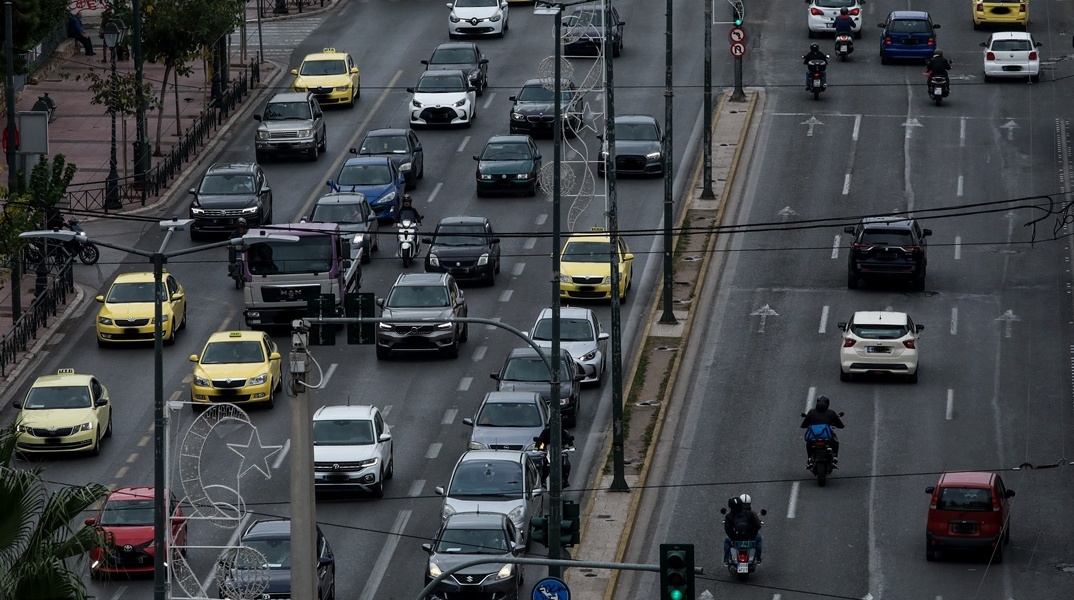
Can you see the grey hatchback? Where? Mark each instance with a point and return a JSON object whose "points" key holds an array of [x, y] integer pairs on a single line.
{"points": [[526, 371], [507, 421]]}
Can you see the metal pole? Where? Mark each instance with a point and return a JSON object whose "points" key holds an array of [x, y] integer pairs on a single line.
{"points": [[668, 317], [160, 424], [303, 501], [112, 185], [9, 98], [141, 152], [554, 455], [739, 95], [260, 36], [706, 143]]}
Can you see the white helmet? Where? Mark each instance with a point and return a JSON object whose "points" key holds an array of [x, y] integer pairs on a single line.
{"points": [[745, 498]]}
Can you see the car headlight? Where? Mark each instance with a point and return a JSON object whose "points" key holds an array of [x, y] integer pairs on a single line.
{"points": [[460, 103], [104, 320], [607, 280], [406, 166], [476, 446], [518, 117], [300, 88], [653, 155], [263, 135], [434, 260], [201, 381], [434, 569], [384, 326], [369, 462], [516, 513], [565, 401], [389, 197], [590, 355], [443, 325], [262, 378], [25, 429], [496, 17], [453, 18], [415, 104], [252, 210], [484, 176], [194, 210], [564, 278], [505, 571], [530, 447], [343, 88], [483, 260], [305, 133], [84, 427], [163, 319]]}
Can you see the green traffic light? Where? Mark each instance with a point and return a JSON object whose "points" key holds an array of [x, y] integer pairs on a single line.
{"points": [[676, 594], [738, 22]]}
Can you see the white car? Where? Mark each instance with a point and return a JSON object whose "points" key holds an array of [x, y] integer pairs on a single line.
{"points": [[879, 342], [477, 17], [1011, 54], [352, 449], [581, 334], [442, 98], [822, 14]]}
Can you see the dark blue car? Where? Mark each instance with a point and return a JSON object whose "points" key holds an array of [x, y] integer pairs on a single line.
{"points": [[378, 178], [908, 35]]}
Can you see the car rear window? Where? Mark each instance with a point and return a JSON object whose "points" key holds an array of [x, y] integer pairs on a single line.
{"points": [[1011, 46], [879, 332], [887, 237], [909, 26], [836, 3], [964, 499]]}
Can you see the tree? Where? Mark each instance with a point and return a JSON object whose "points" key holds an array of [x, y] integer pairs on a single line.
{"points": [[37, 535], [26, 207], [31, 21]]}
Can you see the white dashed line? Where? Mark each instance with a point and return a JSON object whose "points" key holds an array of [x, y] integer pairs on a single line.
{"points": [[958, 247], [415, 488], [950, 404], [962, 133], [505, 296], [385, 552], [846, 184], [328, 374], [530, 243], [823, 319], [436, 190], [387, 409], [479, 353], [462, 144], [835, 246], [810, 397], [449, 416], [493, 327], [541, 218], [954, 321], [464, 384], [434, 450], [958, 190], [282, 455], [792, 503], [488, 101], [857, 128], [518, 268]]}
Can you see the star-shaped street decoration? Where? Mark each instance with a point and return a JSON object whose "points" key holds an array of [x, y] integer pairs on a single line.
{"points": [[255, 454]]}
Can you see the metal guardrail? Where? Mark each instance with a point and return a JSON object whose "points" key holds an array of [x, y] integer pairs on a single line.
{"points": [[47, 304], [90, 196]]}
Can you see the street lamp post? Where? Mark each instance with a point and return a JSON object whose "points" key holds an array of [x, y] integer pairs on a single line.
{"points": [[113, 37]]}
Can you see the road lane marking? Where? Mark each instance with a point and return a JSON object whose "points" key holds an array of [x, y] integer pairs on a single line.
{"points": [[958, 247], [950, 404], [954, 321], [133, 457], [810, 396], [493, 327], [480, 353], [462, 144], [857, 128], [835, 246], [436, 191], [530, 243], [415, 488], [464, 384], [962, 132], [282, 454], [434, 450], [792, 504], [823, 319], [122, 589], [958, 191], [385, 552], [144, 441], [449, 416], [233, 540], [387, 409], [876, 581], [846, 184], [489, 99], [518, 268], [121, 472], [541, 218], [328, 374], [505, 296]]}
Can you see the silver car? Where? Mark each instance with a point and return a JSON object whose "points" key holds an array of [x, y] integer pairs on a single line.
{"points": [[508, 421], [355, 217], [581, 334]]}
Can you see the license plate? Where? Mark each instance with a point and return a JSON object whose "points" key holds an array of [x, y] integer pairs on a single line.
{"points": [[937, 91], [910, 42], [842, 47], [878, 350], [964, 528], [53, 441], [586, 288], [130, 330], [743, 567], [336, 477], [830, 25], [1012, 68]]}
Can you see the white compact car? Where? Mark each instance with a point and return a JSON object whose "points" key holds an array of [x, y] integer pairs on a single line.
{"points": [[352, 449], [822, 13], [1011, 54], [879, 342], [442, 98], [581, 334], [477, 17]]}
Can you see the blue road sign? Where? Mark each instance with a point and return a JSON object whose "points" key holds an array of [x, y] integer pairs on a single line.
{"points": [[551, 588]]}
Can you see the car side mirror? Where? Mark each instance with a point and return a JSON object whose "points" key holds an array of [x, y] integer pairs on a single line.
{"points": [[803, 414], [880, 25], [294, 71], [983, 44], [380, 302], [425, 62], [317, 114], [193, 358], [603, 336], [842, 326], [16, 404], [426, 240], [930, 490], [91, 521], [468, 421], [841, 414], [274, 356], [439, 490], [1009, 494], [177, 296], [99, 298], [471, 88], [537, 157], [427, 548], [192, 191], [494, 240], [354, 70], [476, 157], [257, 117], [537, 491], [511, 98], [483, 61], [385, 437], [417, 147], [926, 232], [325, 561], [410, 90], [101, 402], [1038, 44], [935, 25], [849, 229], [919, 328], [496, 376]]}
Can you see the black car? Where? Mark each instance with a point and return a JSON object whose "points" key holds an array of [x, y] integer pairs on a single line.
{"points": [[227, 192], [463, 56], [271, 538], [583, 31], [639, 147], [534, 108], [465, 247], [888, 248], [508, 164], [402, 146], [468, 536], [525, 371]]}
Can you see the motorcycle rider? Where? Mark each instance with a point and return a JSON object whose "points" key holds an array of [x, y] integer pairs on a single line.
{"points": [[822, 415], [844, 23], [741, 525], [241, 229], [815, 54], [544, 441], [408, 212], [938, 66]]}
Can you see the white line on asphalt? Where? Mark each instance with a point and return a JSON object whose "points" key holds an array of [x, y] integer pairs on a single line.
{"points": [[810, 397], [857, 128], [230, 542], [792, 503], [386, 550], [776, 596], [282, 455], [493, 327], [328, 374], [462, 144], [505, 296], [950, 404], [954, 320], [133, 457], [875, 571], [962, 132], [530, 243], [958, 191], [436, 190], [387, 409], [122, 471], [434, 450], [224, 325], [846, 184], [835, 246], [119, 592], [449, 416], [518, 268], [823, 319], [488, 101], [479, 353], [464, 384], [416, 487], [541, 218], [907, 166], [958, 247]]}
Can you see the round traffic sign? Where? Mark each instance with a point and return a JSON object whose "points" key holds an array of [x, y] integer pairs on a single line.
{"points": [[738, 49], [737, 34], [551, 587]]}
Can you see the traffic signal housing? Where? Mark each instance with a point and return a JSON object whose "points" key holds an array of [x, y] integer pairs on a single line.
{"points": [[360, 305], [738, 11], [539, 530], [676, 572], [321, 306], [570, 526]]}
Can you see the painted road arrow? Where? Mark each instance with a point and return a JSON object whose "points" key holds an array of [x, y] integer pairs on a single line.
{"points": [[1007, 318], [764, 312], [786, 213], [911, 123], [1010, 126], [811, 122]]}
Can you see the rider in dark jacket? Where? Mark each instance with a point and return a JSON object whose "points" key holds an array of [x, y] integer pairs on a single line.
{"points": [[815, 54], [408, 212], [844, 23], [938, 66], [544, 441], [822, 415], [741, 524]]}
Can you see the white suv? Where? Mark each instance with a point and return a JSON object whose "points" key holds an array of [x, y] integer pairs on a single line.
{"points": [[879, 342], [352, 449]]}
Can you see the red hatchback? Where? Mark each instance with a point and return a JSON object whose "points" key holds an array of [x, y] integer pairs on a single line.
{"points": [[968, 510], [126, 520]]}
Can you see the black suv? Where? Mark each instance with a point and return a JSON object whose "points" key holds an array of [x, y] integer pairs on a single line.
{"points": [[583, 31], [464, 56], [466, 247], [227, 192], [888, 248]]}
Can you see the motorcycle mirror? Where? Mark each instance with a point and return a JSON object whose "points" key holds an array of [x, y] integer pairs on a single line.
{"points": [[723, 511], [763, 512], [803, 414], [841, 414]]}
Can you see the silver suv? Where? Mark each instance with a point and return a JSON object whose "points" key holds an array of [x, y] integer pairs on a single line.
{"points": [[291, 124], [421, 306]]}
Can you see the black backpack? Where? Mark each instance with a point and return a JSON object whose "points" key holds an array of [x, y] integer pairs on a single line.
{"points": [[741, 526]]}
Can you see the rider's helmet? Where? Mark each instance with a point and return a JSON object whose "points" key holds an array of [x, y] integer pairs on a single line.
{"points": [[938, 54], [240, 225], [745, 500], [734, 504], [844, 11], [407, 200], [814, 46], [822, 403]]}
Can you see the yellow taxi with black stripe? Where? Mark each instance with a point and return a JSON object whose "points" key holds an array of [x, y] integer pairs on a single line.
{"points": [[585, 267], [65, 412], [128, 309], [331, 75], [238, 367]]}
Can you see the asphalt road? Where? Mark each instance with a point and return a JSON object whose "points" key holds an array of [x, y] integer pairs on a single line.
{"points": [[377, 542]]}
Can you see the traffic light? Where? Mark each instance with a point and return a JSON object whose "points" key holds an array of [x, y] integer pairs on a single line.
{"points": [[738, 11], [676, 572], [539, 530], [360, 305], [570, 526], [319, 306]]}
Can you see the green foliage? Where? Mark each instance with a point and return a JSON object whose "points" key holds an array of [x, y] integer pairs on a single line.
{"points": [[124, 99], [48, 183]]}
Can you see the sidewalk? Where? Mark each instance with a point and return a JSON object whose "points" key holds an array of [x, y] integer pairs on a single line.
{"points": [[81, 130]]}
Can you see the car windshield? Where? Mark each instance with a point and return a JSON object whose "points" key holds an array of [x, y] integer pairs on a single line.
{"points": [[570, 330], [310, 254], [509, 414], [227, 183], [226, 353], [475, 3], [453, 56], [369, 174], [67, 396], [343, 432], [384, 144], [584, 17], [283, 111], [506, 151], [636, 132], [879, 332], [460, 235], [418, 296], [964, 499], [333, 66], [487, 478], [835, 3], [1012, 46], [127, 513], [587, 252], [277, 553], [909, 26], [122, 293], [347, 214], [539, 93], [472, 541], [887, 237], [441, 84]]}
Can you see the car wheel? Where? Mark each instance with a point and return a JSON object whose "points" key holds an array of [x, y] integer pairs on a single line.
{"points": [[843, 375], [367, 254], [465, 334], [378, 488], [390, 472], [811, 33], [332, 589], [182, 325], [279, 385], [96, 449], [324, 141], [857, 35], [919, 282], [108, 432], [1007, 535], [930, 554], [490, 280], [976, 26], [1034, 78], [271, 403], [101, 343], [617, 50], [259, 156], [170, 340], [997, 556], [480, 194], [884, 60], [383, 352], [452, 351], [314, 153], [987, 78], [421, 171], [852, 281], [913, 376]]}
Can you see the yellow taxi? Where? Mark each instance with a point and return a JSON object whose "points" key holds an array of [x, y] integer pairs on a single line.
{"points": [[998, 12], [331, 75], [65, 412], [128, 309], [238, 367], [585, 267]]}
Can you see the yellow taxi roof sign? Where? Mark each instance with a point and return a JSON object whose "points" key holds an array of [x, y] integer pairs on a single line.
{"points": [[597, 229], [65, 371], [329, 50], [235, 334]]}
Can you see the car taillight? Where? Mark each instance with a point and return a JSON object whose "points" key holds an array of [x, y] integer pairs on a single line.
{"points": [[932, 41], [1033, 56], [911, 248], [887, 40], [848, 342], [857, 246], [990, 55], [910, 344], [935, 499], [995, 502], [1021, 8], [816, 12], [855, 11], [980, 7]]}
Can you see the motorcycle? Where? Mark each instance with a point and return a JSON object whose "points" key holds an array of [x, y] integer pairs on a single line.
{"points": [[743, 559], [235, 270], [939, 87], [409, 242], [821, 451], [844, 46], [816, 82], [539, 454], [86, 251]]}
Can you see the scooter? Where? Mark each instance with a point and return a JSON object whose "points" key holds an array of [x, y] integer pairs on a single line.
{"points": [[844, 46], [409, 242], [235, 272], [939, 87], [743, 555], [86, 252], [816, 83], [821, 451], [539, 454]]}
